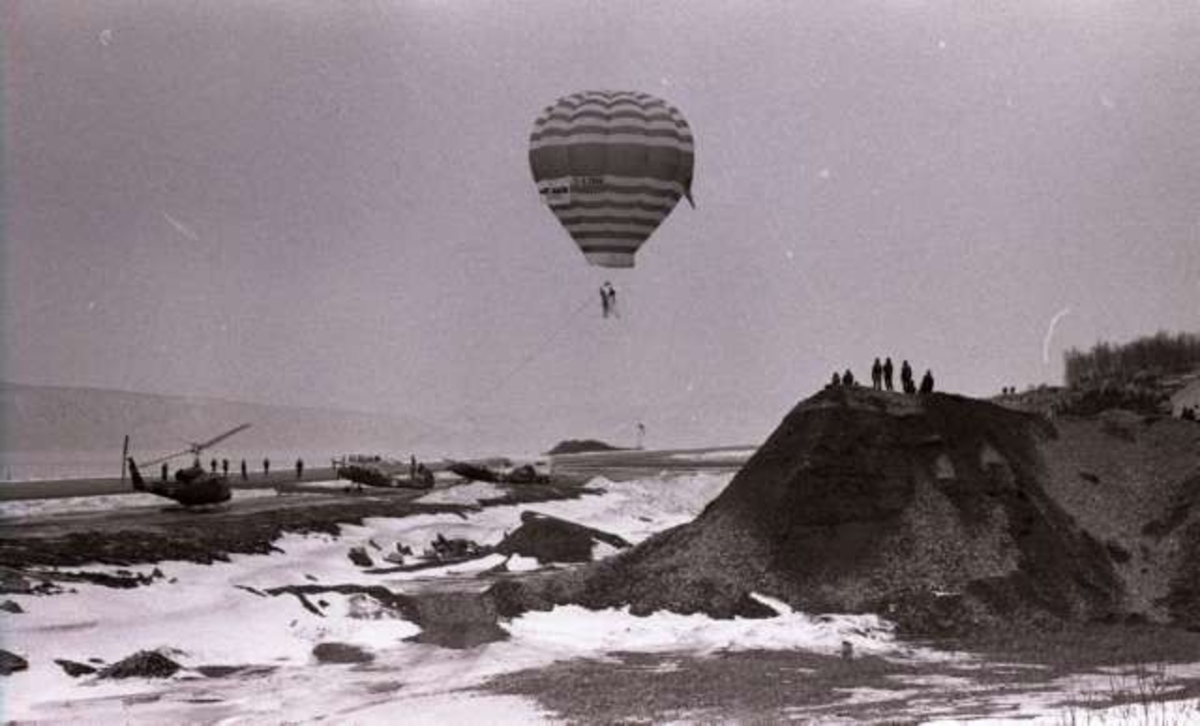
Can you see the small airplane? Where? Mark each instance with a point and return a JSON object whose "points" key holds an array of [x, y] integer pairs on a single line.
{"points": [[193, 486], [523, 474], [375, 471]]}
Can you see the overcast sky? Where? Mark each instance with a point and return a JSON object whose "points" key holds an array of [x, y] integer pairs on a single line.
{"points": [[331, 203]]}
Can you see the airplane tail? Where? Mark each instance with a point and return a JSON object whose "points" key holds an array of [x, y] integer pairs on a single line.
{"points": [[136, 476]]}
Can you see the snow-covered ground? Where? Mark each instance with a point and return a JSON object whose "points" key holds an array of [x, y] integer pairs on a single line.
{"points": [[218, 615], [211, 615]]}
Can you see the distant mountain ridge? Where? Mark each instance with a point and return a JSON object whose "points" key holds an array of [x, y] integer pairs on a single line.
{"points": [[61, 418]]}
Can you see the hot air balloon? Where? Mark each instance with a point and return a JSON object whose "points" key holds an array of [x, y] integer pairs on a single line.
{"points": [[611, 165]]}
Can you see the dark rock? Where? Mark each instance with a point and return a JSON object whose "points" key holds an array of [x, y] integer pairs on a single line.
{"points": [[341, 653], [11, 663], [9, 606], [242, 671], [74, 669], [359, 556], [457, 619], [143, 664], [550, 539], [13, 582]]}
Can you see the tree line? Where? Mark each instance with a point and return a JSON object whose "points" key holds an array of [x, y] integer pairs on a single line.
{"points": [[1158, 354]]}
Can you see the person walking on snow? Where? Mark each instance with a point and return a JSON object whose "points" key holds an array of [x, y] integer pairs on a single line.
{"points": [[887, 373], [877, 375], [604, 304]]}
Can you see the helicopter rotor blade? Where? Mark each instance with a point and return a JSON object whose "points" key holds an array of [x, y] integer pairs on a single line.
{"points": [[168, 457], [222, 437]]}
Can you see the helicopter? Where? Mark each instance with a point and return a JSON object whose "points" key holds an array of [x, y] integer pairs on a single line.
{"points": [[193, 486]]}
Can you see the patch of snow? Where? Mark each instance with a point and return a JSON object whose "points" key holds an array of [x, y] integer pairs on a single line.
{"points": [[517, 563], [463, 494], [575, 631]]}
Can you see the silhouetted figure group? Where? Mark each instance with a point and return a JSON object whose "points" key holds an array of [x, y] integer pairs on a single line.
{"points": [[881, 375], [881, 378], [1008, 391]]}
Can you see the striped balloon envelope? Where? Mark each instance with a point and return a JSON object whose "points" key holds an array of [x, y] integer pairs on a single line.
{"points": [[611, 165]]}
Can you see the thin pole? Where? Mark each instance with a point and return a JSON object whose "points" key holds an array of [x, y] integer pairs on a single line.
{"points": [[124, 458]]}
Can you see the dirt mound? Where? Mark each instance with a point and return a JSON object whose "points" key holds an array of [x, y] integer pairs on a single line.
{"points": [[142, 664], [931, 510], [1133, 482], [550, 539]]}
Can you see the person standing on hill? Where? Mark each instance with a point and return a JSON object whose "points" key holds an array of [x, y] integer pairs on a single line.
{"points": [[214, 466], [848, 379], [245, 475], [164, 471], [837, 380], [299, 469], [927, 382], [887, 373], [225, 468], [906, 379], [266, 467], [877, 375]]}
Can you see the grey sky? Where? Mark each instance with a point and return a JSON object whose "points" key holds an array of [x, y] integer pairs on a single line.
{"points": [[330, 203]]}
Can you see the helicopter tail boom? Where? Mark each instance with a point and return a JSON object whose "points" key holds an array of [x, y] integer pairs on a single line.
{"points": [[136, 476]]}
